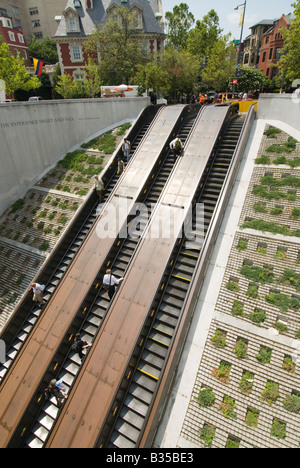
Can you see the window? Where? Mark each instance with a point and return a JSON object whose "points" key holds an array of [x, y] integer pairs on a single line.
{"points": [[33, 11], [12, 36], [264, 56], [246, 59], [277, 53], [72, 25], [36, 24], [76, 53], [270, 54], [267, 40], [21, 38], [38, 35], [16, 12], [25, 55]]}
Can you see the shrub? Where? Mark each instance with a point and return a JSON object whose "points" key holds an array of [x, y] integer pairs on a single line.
{"points": [[206, 397]]}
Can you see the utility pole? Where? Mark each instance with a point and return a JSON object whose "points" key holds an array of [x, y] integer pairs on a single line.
{"points": [[242, 20]]}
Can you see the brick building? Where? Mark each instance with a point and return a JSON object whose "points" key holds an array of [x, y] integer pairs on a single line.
{"points": [[15, 39], [272, 44], [78, 21]]}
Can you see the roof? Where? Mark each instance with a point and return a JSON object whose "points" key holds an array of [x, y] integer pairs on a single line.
{"points": [[89, 17], [265, 22]]}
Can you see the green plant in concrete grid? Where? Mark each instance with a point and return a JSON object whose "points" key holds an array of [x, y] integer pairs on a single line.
{"points": [[281, 253], [276, 211], [290, 277], [258, 316], [281, 327], [223, 372], [227, 407], [18, 205], [295, 213], [232, 286], [219, 339], [206, 397], [123, 129], [266, 226], [272, 132], [232, 443], [246, 382], [288, 181], [282, 301], [286, 147], [288, 365], [253, 291], [237, 309], [252, 417], [263, 160], [258, 274], [260, 208], [207, 434], [243, 245], [271, 393], [241, 349], [264, 355], [278, 429], [292, 403]]}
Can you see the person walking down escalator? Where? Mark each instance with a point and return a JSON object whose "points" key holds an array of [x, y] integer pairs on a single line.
{"points": [[177, 147], [110, 282]]}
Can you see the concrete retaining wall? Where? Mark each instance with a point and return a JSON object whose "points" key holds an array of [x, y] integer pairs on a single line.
{"points": [[284, 107], [35, 135]]}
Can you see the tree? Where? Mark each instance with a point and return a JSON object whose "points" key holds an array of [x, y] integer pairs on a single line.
{"points": [[120, 45], [204, 36], [14, 73], [290, 58], [221, 65], [252, 79], [151, 76], [44, 50], [92, 82], [182, 72], [68, 88], [179, 23]]}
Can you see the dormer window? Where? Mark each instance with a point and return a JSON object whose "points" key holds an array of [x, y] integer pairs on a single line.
{"points": [[77, 3], [72, 22], [138, 18]]}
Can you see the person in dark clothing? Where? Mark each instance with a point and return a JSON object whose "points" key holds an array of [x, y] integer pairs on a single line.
{"points": [[79, 345]]}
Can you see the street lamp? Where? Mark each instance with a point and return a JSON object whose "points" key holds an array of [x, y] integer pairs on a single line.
{"points": [[241, 38]]}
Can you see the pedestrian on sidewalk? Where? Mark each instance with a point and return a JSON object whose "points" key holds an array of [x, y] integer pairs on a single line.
{"points": [[37, 290], [110, 282]]}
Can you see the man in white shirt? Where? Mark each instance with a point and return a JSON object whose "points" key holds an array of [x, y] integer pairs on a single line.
{"points": [[176, 146], [99, 187], [37, 290], [110, 282]]}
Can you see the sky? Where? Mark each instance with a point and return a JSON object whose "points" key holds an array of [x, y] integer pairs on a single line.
{"points": [[256, 11]]}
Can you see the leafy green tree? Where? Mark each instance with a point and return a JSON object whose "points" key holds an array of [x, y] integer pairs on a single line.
{"points": [[182, 72], [221, 66], [290, 58], [14, 73], [68, 88], [44, 50], [152, 76], [204, 36], [92, 82], [252, 79], [179, 23], [121, 46]]}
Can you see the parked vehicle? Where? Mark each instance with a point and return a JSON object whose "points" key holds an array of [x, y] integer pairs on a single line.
{"points": [[211, 96], [35, 98], [225, 97]]}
